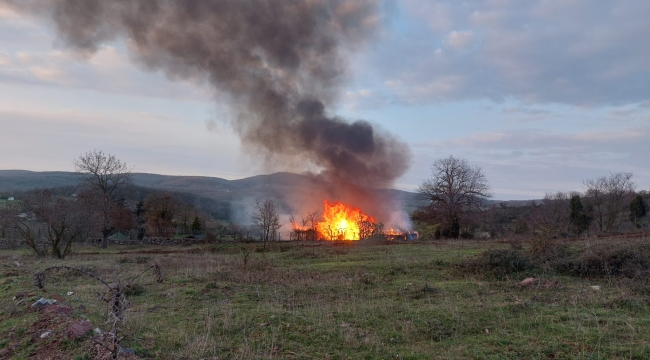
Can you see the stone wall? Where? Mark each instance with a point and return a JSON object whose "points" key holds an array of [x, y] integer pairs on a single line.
{"points": [[12, 244], [146, 241]]}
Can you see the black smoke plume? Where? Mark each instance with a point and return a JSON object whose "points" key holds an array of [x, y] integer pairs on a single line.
{"points": [[281, 63]]}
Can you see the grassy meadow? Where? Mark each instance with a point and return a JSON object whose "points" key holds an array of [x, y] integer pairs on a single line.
{"points": [[329, 301]]}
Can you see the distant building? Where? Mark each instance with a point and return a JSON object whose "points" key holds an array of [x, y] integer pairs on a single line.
{"points": [[119, 236], [11, 198]]}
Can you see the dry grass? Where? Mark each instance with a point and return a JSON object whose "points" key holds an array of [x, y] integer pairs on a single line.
{"points": [[301, 302]]}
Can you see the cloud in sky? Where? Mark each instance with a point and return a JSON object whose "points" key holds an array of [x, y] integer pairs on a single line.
{"points": [[109, 70], [31, 54], [460, 39], [151, 142], [543, 51], [535, 162]]}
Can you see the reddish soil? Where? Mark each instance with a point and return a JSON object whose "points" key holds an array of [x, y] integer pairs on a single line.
{"points": [[52, 337]]}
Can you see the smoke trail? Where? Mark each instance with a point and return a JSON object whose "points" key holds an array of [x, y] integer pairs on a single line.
{"points": [[281, 63]]}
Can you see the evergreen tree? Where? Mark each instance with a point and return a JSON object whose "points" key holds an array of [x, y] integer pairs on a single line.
{"points": [[140, 213], [579, 219], [196, 225], [638, 209]]}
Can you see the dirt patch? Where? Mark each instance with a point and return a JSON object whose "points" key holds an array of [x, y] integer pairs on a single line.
{"points": [[42, 340], [54, 336]]}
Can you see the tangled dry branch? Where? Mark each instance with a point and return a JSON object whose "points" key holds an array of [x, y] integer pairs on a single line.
{"points": [[116, 299]]}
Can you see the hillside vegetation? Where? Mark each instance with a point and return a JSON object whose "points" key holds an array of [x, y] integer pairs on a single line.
{"points": [[225, 199]]}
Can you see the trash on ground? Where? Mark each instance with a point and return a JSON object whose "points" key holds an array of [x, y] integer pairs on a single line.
{"points": [[43, 302]]}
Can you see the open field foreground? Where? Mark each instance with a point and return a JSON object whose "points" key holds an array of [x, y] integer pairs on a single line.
{"points": [[325, 301]]}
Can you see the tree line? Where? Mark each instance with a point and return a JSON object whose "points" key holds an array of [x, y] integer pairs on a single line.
{"points": [[457, 204], [105, 203]]}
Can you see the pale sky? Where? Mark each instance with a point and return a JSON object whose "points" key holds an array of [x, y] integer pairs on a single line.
{"points": [[541, 94]]}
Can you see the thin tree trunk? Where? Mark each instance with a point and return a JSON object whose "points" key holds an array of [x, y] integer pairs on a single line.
{"points": [[105, 240]]}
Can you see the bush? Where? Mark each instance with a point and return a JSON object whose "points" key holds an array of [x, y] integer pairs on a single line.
{"points": [[141, 351], [210, 237], [466, 234], [629, 259], [368, 278], [425, 292], [338, 251], [428, 232], [501, 263], [606, 258], [134, 290], [142, 259]]}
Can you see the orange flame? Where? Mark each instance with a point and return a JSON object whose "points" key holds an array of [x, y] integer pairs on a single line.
{"points": [[341, 222]]}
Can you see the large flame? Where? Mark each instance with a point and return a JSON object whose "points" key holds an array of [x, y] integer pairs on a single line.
{"points": [[342, 222]]}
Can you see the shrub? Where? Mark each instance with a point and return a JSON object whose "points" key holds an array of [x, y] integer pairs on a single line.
{"points": [[425, 292], [437, 330], [338, 251], [501, 263], [210, 286], [134, 290], [466, 234], [124, 260], [368, 278], [142, 259], [210, 237], [630, 259]]}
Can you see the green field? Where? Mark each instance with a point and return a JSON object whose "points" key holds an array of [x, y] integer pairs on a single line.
{"points": [[409, 301]]}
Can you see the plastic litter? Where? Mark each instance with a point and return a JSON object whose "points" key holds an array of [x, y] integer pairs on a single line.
{"points": [[43, 302], [126, 351]]}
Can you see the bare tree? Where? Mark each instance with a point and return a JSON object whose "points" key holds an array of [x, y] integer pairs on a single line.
{"points": [[455, 188], [609, 195], [185, 216], [551, 219], [367, 228], [161, 209], [306, 230], [59, 220], [267, 219], [20, 220], [298, 231], [312, 220], [105, 175]]}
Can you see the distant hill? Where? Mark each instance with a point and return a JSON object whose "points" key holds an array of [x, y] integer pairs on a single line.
{"points": [[233, 199], [236, 195], [277, 186], [22, 180]]}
